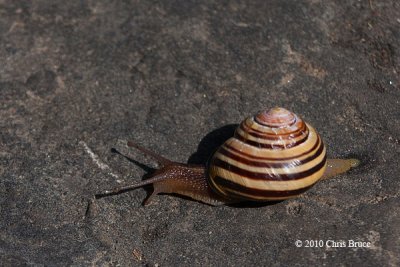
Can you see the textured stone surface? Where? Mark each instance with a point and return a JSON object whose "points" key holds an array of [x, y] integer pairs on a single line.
{"points": [[176, 76]]}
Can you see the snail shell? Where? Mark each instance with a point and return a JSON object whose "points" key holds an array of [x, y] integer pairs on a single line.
{"points": [[273, 155]]}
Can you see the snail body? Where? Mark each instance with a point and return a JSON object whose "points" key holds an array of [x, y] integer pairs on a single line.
{"points": [[273, 155]]}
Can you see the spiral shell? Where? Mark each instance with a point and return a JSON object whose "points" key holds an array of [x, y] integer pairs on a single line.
{"points": [[274, 155]]}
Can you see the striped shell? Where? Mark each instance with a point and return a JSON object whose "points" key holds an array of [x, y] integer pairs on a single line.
{"points": [[274, 155]]}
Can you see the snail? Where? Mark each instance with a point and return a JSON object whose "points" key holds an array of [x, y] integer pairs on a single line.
{"points": [[273, 155]]}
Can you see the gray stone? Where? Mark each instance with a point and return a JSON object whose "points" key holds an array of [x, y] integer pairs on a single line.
{"points": [[78, 78]]}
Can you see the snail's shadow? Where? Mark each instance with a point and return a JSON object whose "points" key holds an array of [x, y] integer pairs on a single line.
{"points": [[210, 143]]}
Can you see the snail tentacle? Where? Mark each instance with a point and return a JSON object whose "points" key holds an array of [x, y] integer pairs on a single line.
{"points": [[160, 159], [122, 189], [172, 178]]}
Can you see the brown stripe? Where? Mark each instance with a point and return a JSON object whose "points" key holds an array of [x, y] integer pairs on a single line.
{"points": [[235, 189], [268, 136], [265, 176], [261, 132], [249, 162], [272, 126], [275, 159], [270, 146]]}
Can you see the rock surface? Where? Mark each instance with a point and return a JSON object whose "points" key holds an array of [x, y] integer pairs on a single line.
{"points": [[80, 77]]}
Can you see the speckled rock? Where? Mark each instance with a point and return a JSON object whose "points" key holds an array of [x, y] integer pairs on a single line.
{"points": [[78, 78]]}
